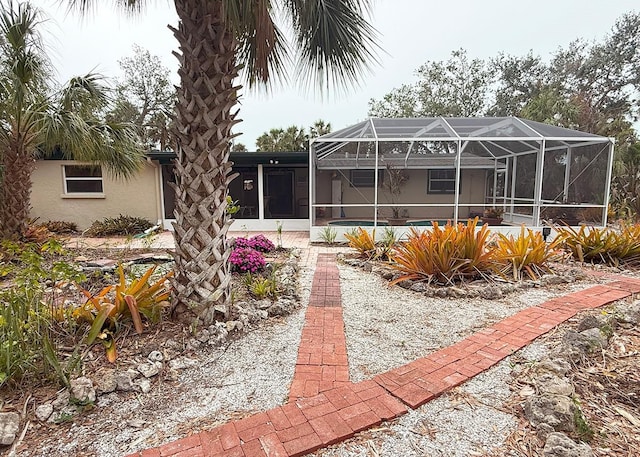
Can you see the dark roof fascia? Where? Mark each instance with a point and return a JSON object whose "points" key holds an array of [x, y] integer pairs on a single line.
{"points": [[245, 158]]}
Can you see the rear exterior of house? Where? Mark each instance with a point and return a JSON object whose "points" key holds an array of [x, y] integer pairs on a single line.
{"points": [[76, 192], [453, 169]]}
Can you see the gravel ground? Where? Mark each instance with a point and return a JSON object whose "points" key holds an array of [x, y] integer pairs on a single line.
{"points": [[249, 375], [387, 327]]}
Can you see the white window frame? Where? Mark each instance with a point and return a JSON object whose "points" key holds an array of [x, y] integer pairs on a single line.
{"points": [[441, 192], [86, 194]]}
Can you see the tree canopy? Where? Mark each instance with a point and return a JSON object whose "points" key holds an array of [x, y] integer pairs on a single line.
{"points": [[292, 138]]}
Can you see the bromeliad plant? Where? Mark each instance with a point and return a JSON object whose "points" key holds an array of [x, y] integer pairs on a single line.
{"points": [[365, 243], [528, 253], [443, 254], [106, 310], [602, 245]]}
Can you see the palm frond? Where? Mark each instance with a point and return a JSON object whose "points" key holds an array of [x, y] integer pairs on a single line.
{"points": [[334, 40], [262, 48]]}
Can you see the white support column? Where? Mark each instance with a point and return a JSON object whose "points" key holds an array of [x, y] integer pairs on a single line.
{"points": [[375, 191], [607, 189], [514, 175], [456, 200], [538, 184], [495, 181], [260, 192]]}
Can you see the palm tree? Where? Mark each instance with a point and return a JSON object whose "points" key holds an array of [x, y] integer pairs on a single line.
{"points": [[36, 120], [218, 39]]}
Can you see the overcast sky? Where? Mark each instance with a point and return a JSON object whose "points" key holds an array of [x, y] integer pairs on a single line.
{"points": [[411, 33]]}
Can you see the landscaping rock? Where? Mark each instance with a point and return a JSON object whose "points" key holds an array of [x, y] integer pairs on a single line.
{"points": [[576, 345], [44, 411], [560, 445], [589, 322], [155, 356], [630, 315], [61, 400], [554, 411], [9, 426], [148, 370], [124, 381], [181, 363], [203, 335], [105, 381], [143, 384], [549, 383], [263, 304], [558, 366], [82, 390], [491, 293]]}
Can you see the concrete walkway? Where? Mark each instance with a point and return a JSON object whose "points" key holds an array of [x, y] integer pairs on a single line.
{"points": [[325, 407]]}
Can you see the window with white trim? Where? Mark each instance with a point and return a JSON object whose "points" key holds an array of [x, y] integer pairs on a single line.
{"points": [[442, 181], [82, 179]]}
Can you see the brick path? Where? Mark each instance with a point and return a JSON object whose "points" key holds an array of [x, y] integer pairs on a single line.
{"points": [[325, 407]]}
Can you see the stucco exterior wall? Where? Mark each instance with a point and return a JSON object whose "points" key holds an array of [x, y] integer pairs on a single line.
{"points": [[414, 191], [139, 196]]}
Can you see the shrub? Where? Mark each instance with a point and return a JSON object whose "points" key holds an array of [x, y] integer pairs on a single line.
{"points": [[121, 225], [592, 244], [60, 227], [328, 235], [27, 343], [364, 242], [105, 310], [258, 243], [247, 260], [443, 254], [527, 253], [264, 287]]}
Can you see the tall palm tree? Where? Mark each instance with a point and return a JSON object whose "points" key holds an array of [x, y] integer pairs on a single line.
{"points": [[218, 39], [36, 120]]}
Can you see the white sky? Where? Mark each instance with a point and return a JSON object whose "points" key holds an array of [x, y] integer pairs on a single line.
{"points": [[411, 33]]}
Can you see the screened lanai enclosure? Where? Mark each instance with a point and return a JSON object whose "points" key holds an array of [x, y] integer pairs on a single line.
{"points": [[410, 172]]}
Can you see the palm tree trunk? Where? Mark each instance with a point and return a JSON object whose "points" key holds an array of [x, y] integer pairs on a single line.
{"points": [[206, 96], [15, 190]]}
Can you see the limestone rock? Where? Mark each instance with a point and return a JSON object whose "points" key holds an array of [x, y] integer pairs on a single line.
{"points": [[44, 411], [155, 356], [549, 383], [105, 381], [9, 426], [556, 365], [556, 411], [181, 363], [203, 335], [148, 370], [597, 339], [631, 315], [124, 381], [588, 322], [82, 390], [560, 445], [61, 400], [491, 293], [143, 384]]}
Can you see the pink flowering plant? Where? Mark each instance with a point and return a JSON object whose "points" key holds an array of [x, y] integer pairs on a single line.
{"points": [[258, 242], [246, 260]]}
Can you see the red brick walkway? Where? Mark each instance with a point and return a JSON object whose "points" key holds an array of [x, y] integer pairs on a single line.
{"points": [[325, 408]]}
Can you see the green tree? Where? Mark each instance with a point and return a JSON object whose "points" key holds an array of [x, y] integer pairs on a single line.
{"points": [[36, 119], [238, 147], [458, 87], [292, 138], [332, 44], [145, 97]]}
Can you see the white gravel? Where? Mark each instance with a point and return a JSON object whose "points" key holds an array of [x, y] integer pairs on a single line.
{"points": [[387, 327], [252, 374]]}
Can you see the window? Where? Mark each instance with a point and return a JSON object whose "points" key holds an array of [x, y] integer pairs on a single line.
{"points": [[442, 181], [365, 178], [82, 179]]}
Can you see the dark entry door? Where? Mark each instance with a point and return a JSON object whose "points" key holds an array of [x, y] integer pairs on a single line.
{"points": [[279, 194]]}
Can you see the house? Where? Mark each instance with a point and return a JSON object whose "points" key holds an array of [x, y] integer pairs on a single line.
{"points": [[451, 168]]}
